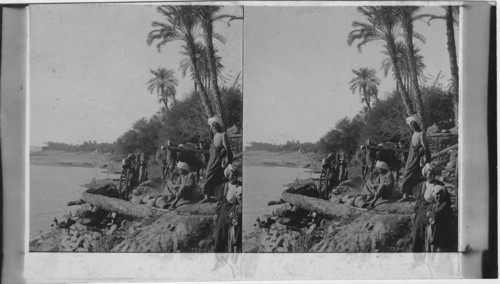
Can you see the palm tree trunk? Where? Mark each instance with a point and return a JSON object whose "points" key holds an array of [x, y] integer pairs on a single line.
{"points": [[164, 98], [203, 93], [208, 34], [391, 48], [408, 35], [366, 98], [165, 103], [452, 50]]}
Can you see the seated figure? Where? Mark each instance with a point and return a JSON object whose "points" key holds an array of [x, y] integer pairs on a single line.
{"points": [[181, 188], [381, 188]]}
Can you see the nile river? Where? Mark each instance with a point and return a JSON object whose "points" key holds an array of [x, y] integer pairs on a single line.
{"points": [[51, 187], [263, 184]]}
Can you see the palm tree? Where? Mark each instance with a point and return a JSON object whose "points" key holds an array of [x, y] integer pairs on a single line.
{"points": [[164, 82], [366, 83], [181, 25], [407, 15], [403, 63], [451, 18], [381, 25], [207, 15], [203, 65]]}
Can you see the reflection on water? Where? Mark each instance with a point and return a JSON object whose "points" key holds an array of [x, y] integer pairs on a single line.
{"points": [[263, 184], [50, 190]]}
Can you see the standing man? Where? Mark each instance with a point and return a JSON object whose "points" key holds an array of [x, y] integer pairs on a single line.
{"points": [[418, 156]]}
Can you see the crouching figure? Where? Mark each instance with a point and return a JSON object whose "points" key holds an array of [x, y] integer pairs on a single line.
{"points": [[181, 188], [381, 188]]}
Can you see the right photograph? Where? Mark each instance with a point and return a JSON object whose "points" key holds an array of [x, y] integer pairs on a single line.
{"points": [[351, 129]]}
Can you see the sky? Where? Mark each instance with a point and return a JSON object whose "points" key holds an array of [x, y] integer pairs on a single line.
{"points": [[297, 65], [89, 64]]}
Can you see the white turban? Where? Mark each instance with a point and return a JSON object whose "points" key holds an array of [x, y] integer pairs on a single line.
{"points": [[415, 118], [217, 119], [426, 168], [183, 166], [230, 168], [382, 165]]}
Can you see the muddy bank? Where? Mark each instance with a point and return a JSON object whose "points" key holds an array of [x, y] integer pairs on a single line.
{"points": [[330, 226], [188, 228]]}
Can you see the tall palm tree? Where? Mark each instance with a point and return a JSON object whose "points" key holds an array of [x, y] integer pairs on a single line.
{"points": [[451, 18], [164, 83], [366, 82], [381, 25], [208, 15], [407, 15], [181, 25], [203, 65], [403, 63]]}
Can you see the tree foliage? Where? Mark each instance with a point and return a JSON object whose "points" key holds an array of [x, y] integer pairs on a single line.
{"points": [[164, 83], [142, 137], [385, 122], [366, 82], [186, 122]]}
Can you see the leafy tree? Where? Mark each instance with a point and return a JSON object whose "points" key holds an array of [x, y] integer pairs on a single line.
{"points": [[143, 136], [366, 83], [407, 15], [208, 15], [404, 65], [381, 25], [164, 84], [203, 65], [181, 24], [185, 120], [232, 101], [451, 18]]}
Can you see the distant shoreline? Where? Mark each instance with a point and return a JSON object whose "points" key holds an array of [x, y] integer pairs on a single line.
{"points": [[281, 159], [78, 159]]}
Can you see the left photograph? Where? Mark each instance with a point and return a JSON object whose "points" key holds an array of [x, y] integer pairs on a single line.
{"points": [[135, 128]]}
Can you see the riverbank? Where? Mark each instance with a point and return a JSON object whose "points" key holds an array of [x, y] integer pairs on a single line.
{"points": [[189, 228], [114, 225], [291, 228], [332, 226]]}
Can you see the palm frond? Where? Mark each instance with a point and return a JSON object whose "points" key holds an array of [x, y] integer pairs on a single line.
{"points": [[219, 37]]}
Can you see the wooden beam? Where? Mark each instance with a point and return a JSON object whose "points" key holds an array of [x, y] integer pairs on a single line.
{"points": [[118, 205], [444, 152], [184, 207], [444, 135], [316, 205]]}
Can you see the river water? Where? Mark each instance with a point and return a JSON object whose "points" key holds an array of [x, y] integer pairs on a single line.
{"points": [[263, 184], [51, 187]]}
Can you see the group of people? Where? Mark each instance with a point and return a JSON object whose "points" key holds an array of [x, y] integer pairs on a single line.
{"points": [[222, 181], [434, 223], [134, 171], [434, 226]]}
